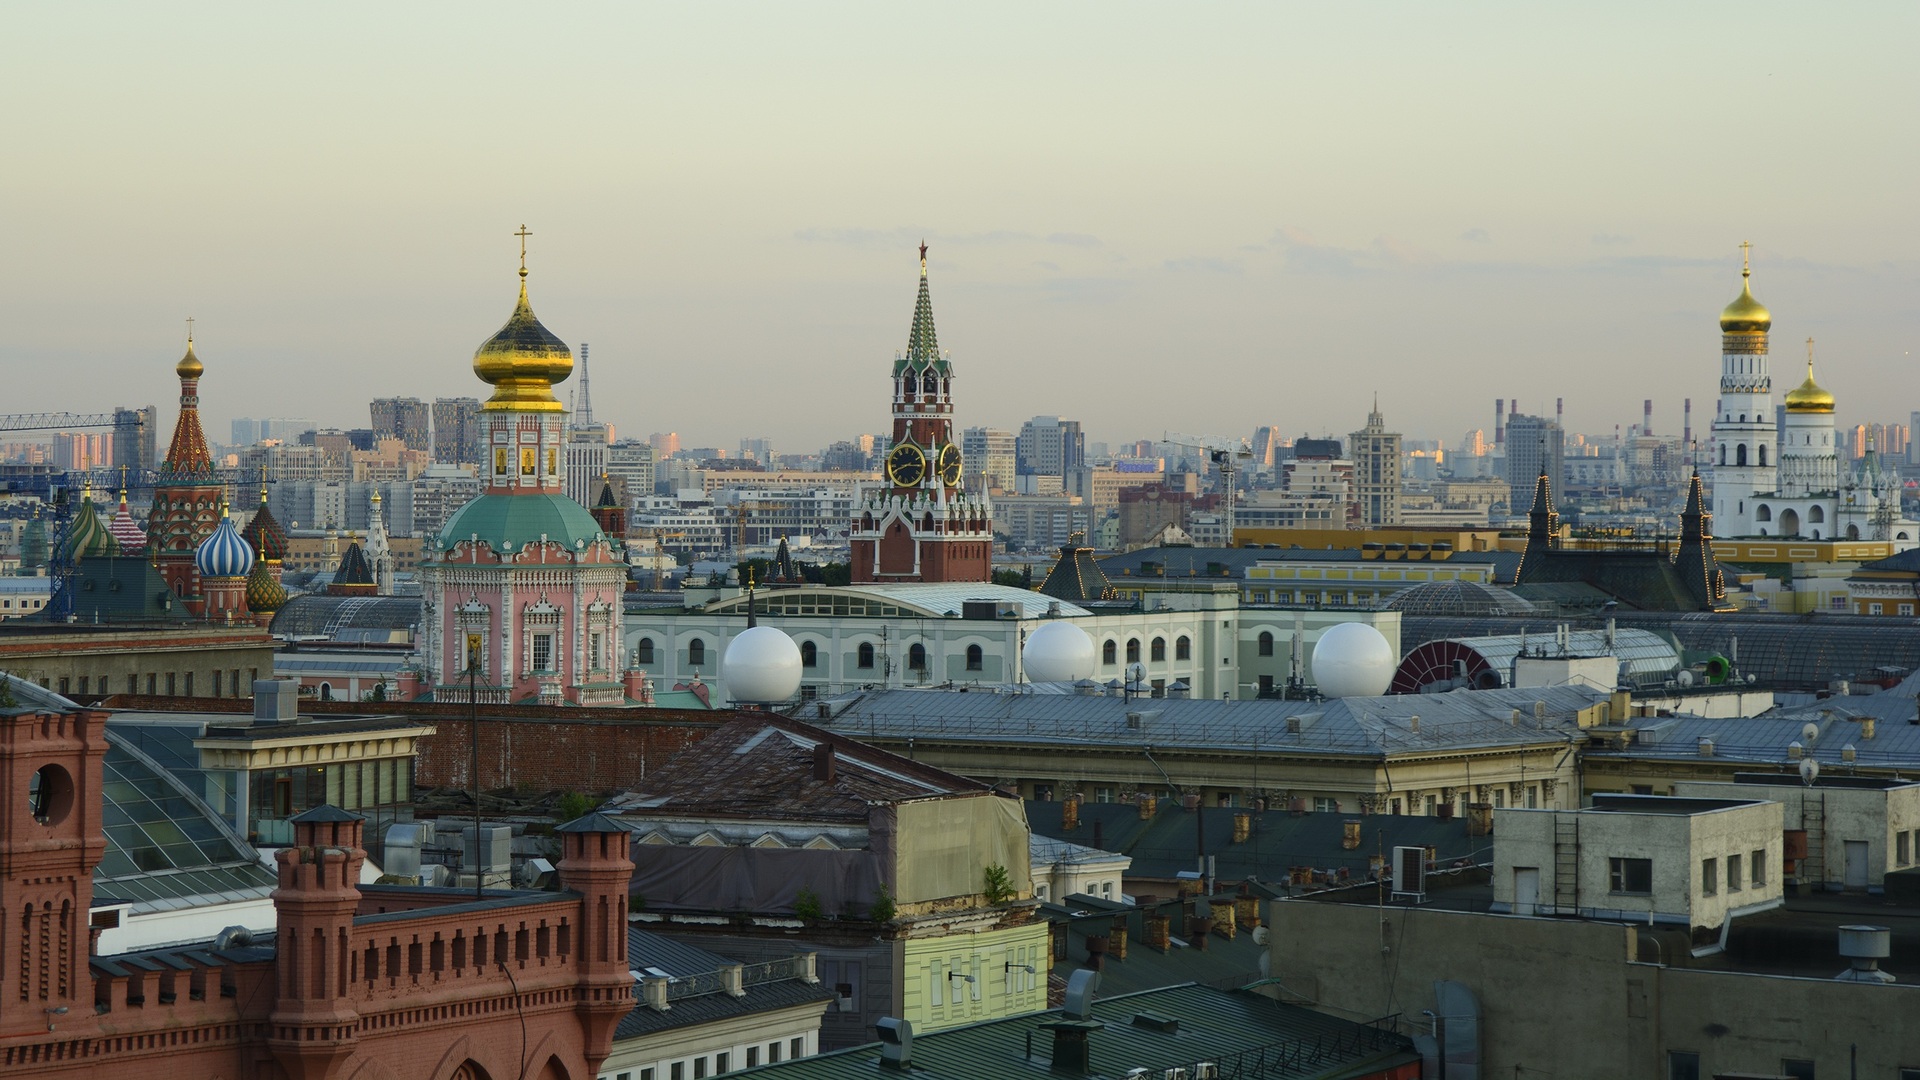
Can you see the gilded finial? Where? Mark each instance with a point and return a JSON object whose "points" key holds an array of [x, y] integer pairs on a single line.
{"points": [[523, 234], [1746, 260], [189, 330], [923, 258], [123, 483]]}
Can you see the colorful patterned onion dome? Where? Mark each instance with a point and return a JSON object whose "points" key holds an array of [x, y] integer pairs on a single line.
{"points": [[126, 530], [224, 554], [264, 595], [88, 537], [264, 533]]}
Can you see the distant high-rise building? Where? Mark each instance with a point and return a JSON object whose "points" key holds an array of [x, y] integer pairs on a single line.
{"points": [[991, 458], [134, 439], [630, 467], [1049, 446], [759, 451], [1375, 452], [665, 444], [1535, 445], [406, 419], [586, 452], [456, 431]]}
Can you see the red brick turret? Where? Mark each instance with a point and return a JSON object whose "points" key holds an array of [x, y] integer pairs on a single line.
{"points": [[595, 861], [313, 1023]]}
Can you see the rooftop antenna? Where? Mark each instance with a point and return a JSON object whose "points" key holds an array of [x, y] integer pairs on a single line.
{"points": [[583, 397]]}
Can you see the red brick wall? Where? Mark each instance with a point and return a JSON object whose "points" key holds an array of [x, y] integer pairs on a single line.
{"points": [[543, 754]]}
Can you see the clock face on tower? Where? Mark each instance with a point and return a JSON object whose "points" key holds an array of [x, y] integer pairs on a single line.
{"points": [[950, 465], [906, 465]]}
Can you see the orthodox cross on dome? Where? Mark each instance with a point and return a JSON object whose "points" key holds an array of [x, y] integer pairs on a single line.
{"points": [[189, 329], [1746, 260], [523, 234]]}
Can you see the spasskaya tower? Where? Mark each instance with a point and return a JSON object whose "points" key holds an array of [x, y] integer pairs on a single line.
{"points": [[922, 527]]}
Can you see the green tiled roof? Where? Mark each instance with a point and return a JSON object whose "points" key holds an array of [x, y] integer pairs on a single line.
{"points": [[510, 522], [923, 345]]}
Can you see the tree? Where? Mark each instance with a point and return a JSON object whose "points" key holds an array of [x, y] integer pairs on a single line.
{"points": [[1013, 578]]}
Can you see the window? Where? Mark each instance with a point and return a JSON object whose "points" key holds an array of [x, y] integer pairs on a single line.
{"points": [[1266, 686], [773, 1053], [809, 654], [976, 659], [1709, 877], [864, 656], [1902, 849], [753, 1056], [1632, 876], [798, 1047], [1107, 652], [1683, 1064], [699, 1068], [722, 1062], [1326, 806], [917, 657], [1183, 648], [1758, 863], [1798, 1068], [696, 652], [643, 651], [543, 652], [1733, 873], [216, 684], [1133, 650], [1159, 650]]}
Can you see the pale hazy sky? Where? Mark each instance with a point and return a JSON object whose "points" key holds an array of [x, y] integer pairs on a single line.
{"points": [[1190, 217]]}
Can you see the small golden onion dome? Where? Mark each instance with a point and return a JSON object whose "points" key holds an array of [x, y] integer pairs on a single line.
{"points": [[1808, 397], [523, 361], [189, 366], [1745, 315]]}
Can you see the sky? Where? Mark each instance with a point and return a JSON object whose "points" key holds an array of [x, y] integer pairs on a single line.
{"points": [[1149, 217]]}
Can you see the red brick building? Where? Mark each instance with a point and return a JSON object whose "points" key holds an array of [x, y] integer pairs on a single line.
{"points": [[357, 983]]}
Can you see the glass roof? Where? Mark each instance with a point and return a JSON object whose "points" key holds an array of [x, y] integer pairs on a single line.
{"points": [[166, 847]]}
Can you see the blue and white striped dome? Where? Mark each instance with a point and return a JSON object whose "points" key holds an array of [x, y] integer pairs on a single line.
{"points": [[224, 554]]}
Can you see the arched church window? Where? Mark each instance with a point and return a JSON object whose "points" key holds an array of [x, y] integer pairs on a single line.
{"points": [[863, 656], [696, 652], [1723, 453], [1183, 648], [1133, 650], [1740, 454], [1159, 650], [1763, 512], [1763, 455], [1108, 652], [917, 657], [1816, 512], [1266, 643], [643, 651], [809, 654], [976, 658]]}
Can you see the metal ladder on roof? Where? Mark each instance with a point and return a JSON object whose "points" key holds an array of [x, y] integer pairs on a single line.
{"points": [[1566, 864], [1813, 819]]}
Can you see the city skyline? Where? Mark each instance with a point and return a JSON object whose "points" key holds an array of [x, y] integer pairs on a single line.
{"points": [[1302, 202]]}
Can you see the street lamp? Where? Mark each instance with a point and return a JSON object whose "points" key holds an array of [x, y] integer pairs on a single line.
{"points": [[474, 642]]}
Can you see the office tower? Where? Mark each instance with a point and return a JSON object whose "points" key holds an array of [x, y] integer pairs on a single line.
{"points": [[991, 458], [1375, 452], [456, 431], [405, 419], [1534, 445], [1049, 446]]}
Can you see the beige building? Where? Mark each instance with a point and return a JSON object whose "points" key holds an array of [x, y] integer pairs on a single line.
{"points": [[188, 659], [1851, 831]]}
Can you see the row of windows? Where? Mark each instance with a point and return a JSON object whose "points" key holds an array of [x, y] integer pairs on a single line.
{"points": [[645, 653], [721, 1063], [1710, 873], [1156, 651], [225, 684], [27, 603]]}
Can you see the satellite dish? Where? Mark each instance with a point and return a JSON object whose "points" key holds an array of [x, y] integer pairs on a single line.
{"points": [[1136, 672], [1261, 935], [1809, 771], [1809, 733]]}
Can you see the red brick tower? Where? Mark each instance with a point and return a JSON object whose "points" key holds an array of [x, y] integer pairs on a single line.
{"points": [[311, 1029], [595, 862], [187, 494], [923, 527], [50, 841]]}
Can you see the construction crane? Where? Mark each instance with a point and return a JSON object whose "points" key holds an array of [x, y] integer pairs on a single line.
{"points": [[1225, 453], [55, 421]]}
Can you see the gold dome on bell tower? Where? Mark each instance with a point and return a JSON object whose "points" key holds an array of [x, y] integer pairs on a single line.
{"points": [[523, 359], [1809, 396], [1745, 315]]}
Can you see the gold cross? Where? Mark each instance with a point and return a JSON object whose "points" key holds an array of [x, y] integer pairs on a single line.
{"points": [[189, 329], [1746, 264], [523, 234]]}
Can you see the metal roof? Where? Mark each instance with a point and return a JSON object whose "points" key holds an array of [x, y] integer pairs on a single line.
{"points": [[933, 600], [166, 848], [1365, 727], [1239, 1030], [1764, 739], [1644, 655]]}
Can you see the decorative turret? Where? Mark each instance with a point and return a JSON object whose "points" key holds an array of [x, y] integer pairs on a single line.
{"points": [[87, 536], [523, 359], [596, 862], [354, 577], [187, 498], [264, 532], [1694, 558], [127, 531], [265, 594], [313, 1021], [223, 554]]}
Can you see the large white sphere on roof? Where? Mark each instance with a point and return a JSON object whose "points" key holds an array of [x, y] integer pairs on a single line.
{"points": [[1058, 652], [1353, 660], [761, 666]]}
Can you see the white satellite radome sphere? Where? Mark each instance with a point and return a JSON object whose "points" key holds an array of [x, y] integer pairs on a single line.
{"points": [[1353, 660], [1058, 652], [761, 666]]}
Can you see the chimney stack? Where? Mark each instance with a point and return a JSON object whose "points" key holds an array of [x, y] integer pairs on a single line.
{"points": [[1350, 835], [1686, 427], [1560, 411], [823, 766], [1499, 423], [1070, 814], [1646, 417]]}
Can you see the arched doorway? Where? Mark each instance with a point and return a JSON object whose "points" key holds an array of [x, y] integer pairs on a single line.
{"points": [[1789, 522]]}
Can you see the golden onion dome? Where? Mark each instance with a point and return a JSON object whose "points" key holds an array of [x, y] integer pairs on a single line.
{"points": [[189, 366], [523, 361], [1809, 397], [1745, 315]]}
